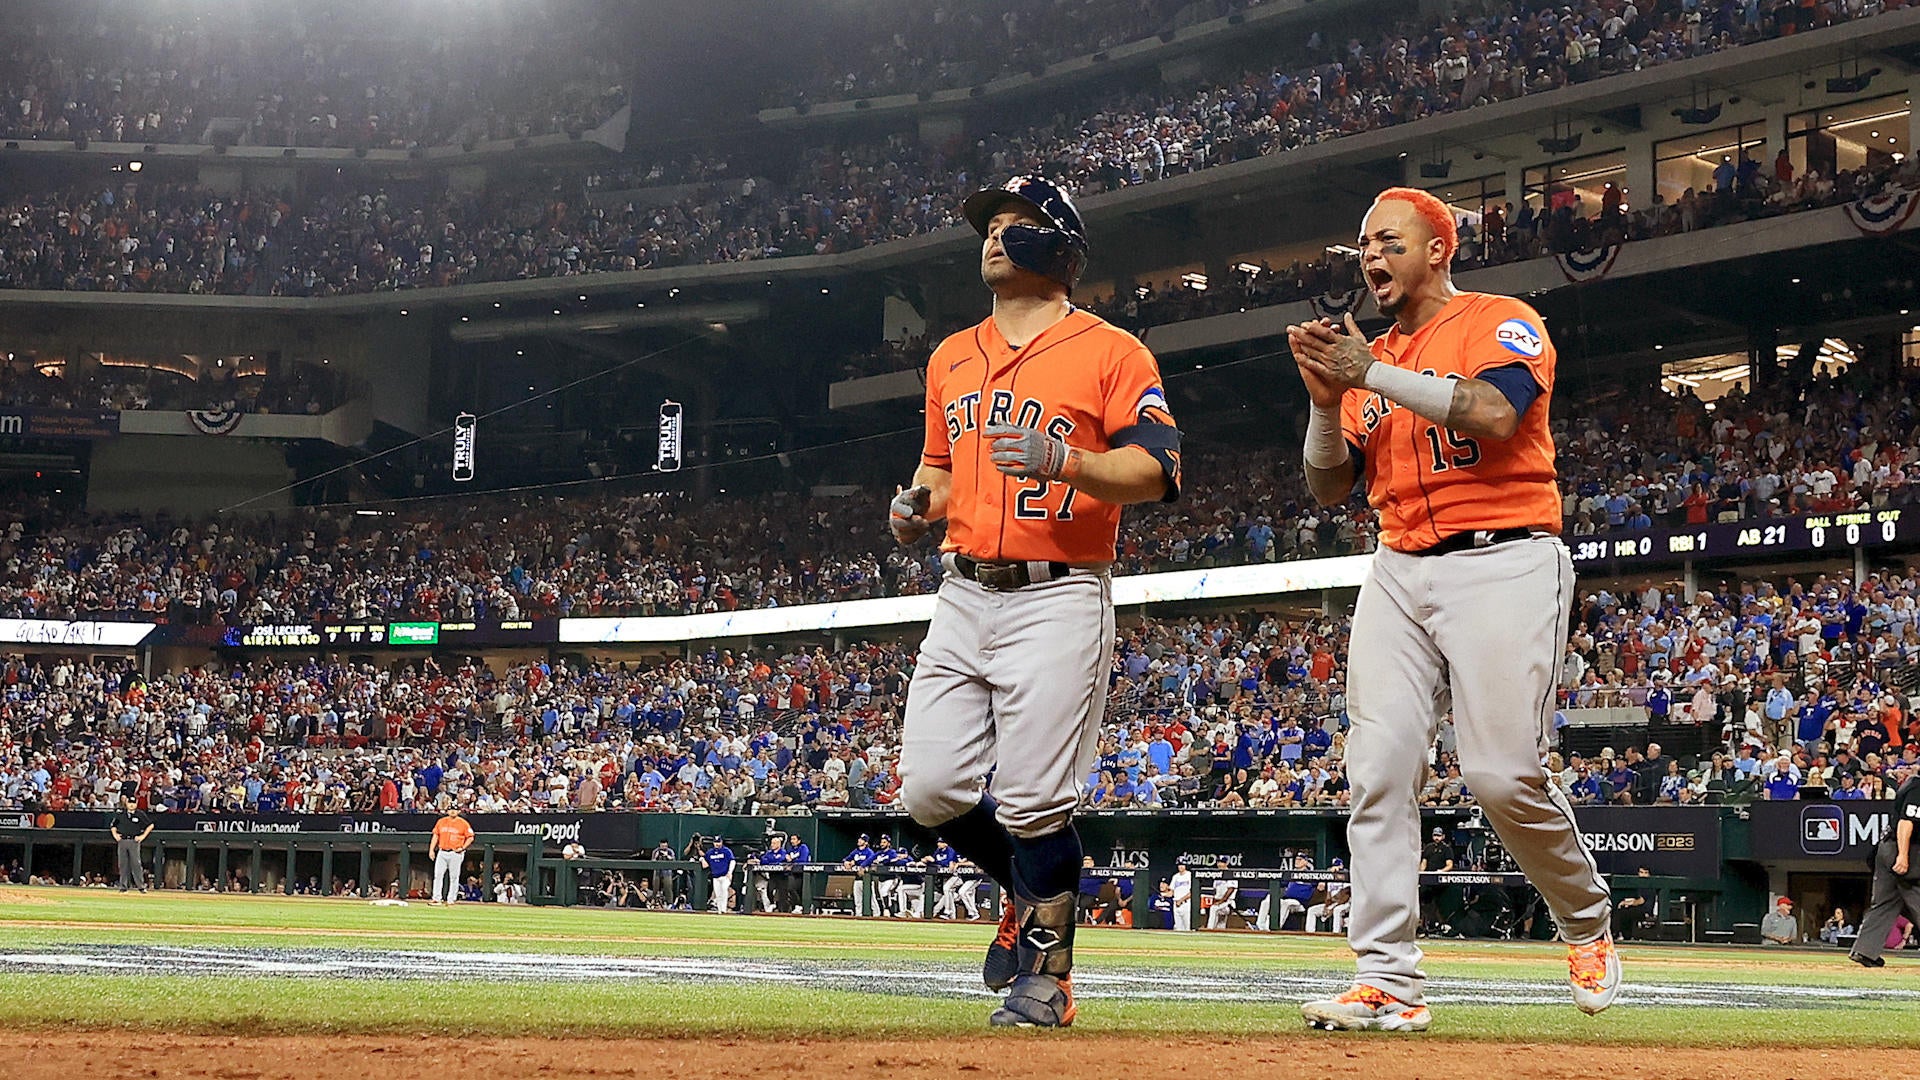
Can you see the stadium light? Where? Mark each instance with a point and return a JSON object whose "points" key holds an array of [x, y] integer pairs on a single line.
{"points": [[135, 165]]}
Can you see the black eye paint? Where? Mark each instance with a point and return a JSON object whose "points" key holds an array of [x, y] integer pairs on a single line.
{"points": [[1396, 249]]}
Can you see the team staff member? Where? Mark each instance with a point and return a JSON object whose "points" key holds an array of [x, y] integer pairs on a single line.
{"points": [[717, 857], [452, 835], [1896, 880], [1466, 601], [887, 893], [798, 856], [1042, 422], [1331, 902], [1226, 890], [1182, 887], [130, 829], [860, 860]]}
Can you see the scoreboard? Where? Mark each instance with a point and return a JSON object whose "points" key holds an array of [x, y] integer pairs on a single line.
{"points": [[1833, 533]]}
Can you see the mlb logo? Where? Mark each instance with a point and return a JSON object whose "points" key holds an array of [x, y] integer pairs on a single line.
{"points": [[1823, 830]]}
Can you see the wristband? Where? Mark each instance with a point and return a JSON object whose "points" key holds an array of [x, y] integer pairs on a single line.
{"points": [[1070, 468], [1326, 446], [1428, 395]]}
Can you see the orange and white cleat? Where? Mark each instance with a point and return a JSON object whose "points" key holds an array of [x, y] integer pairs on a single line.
{"points": [[1593, 970], [1366, 1008]]}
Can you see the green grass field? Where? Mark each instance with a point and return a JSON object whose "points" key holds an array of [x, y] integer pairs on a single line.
{"points": [[857, 989]]}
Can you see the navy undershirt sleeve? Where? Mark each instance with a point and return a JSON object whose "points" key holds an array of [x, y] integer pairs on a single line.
{"points": [[1515, 383]]}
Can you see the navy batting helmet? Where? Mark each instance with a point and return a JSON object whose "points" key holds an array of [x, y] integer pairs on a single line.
{"points": [[1057, 249]]}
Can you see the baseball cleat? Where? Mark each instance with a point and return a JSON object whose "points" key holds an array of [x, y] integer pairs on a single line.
{"points": [[1867, 961], [1593, 970], [1037, 1001], [1365, 1008], [1003, 961]]}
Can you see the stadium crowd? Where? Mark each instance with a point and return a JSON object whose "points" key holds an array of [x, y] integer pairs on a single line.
{"points": [[1495, 234], [226, 388], [156, 237], [1202, 711], [1629, 459], [341, 73], [919, 46], [899, 47]]}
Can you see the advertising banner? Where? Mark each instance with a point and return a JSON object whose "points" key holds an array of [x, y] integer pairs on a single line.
{"points": [[353, 635], [1840, 831], [600, 833], [1670, 841], [34, 423], [73, 635]]}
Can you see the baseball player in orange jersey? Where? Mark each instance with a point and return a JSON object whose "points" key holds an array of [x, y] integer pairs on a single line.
{"points": [[1042, 421], [1465, 603]]}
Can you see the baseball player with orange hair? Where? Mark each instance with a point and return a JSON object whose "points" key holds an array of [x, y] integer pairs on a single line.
{"points": [[1042, 422], [1465, 604]]}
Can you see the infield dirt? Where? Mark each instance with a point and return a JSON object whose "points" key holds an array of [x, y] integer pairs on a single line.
{"points": [[1054, 1055]]}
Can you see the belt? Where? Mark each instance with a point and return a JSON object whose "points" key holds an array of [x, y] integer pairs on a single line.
{"points": [[1478, 538], [1001, 577]]}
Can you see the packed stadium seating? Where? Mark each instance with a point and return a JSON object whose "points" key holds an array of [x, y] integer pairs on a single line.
{"points": [[1629, 459], [224, 388], [344, 73], [918, 46], [1244, 711], [893, 48], [157, 237], [1500, 234]]}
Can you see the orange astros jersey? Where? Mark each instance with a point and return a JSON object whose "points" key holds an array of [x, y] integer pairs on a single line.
{"points": [[1429, 482], [1081, 379]]}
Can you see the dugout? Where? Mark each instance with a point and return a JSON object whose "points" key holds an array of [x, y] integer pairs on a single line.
{"points": [[355, 864]]}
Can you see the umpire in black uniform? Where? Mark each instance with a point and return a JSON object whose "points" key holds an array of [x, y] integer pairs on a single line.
{"points": [[1896, 880], [130, 829]]}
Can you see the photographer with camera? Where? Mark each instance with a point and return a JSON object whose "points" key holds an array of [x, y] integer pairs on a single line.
{"points": [[767, 879]]}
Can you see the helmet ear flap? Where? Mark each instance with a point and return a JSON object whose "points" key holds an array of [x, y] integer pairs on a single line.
{"points": [[1049, 252]]}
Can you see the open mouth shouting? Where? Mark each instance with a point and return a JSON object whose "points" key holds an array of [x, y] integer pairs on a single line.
{"points": [[1380, 284]]}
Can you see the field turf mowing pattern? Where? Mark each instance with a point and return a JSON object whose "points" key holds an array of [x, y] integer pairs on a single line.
{"points": [[426, 970]]}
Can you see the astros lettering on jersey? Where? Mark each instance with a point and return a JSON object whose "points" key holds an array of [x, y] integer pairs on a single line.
{"points": [[1450, 483], [975, 378]]}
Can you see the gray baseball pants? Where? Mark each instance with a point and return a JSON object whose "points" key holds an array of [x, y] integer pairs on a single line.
{"points": [[1891, 895], [1014, 682], [1482, 629], [132, 874]]}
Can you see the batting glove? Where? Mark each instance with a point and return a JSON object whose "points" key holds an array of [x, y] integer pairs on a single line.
{"points": [[906, 515], [1027, 453]]}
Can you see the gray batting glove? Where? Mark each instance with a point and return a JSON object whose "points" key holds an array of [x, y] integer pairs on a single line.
{"points": [[906, 515], [1026, 452]]}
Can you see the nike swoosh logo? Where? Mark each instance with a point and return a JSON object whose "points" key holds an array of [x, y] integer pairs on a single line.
{"points": [[956, 365]]}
